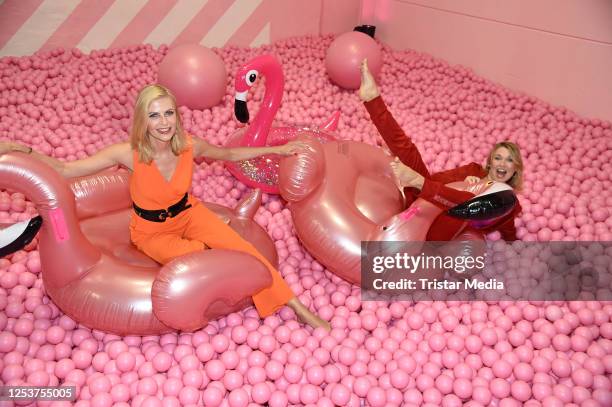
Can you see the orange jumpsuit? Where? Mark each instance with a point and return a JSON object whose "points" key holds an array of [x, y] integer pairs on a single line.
{"points": [[196, 228]]}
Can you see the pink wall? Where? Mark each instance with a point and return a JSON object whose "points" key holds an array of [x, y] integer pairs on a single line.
{"points": [[27, 26], [339, 16], [557, 50]]}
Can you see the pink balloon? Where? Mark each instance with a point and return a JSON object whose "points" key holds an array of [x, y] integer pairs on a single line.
{"points": [[80, 245], [195, 74], [344, 56]]}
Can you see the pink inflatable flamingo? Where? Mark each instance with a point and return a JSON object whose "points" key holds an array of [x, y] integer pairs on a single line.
{"points": [[262, 172], [341, 194], [92, 272]]}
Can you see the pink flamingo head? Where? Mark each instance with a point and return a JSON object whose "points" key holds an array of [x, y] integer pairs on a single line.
{"points": [[263, 65], [262, 172]]}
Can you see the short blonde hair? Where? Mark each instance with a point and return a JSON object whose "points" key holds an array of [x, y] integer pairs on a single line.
{"points": [[139, 139], [516, 181]]}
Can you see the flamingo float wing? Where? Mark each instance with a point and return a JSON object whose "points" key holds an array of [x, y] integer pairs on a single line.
{"points": [[200, 286], [101, 193]]}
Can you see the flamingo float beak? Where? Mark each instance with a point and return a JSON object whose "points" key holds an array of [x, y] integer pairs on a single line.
{"points": [[241, 110], [485, 207], [18, 235]]}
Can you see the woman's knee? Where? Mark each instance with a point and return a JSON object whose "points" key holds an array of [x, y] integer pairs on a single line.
{"points": [[163, 251]]}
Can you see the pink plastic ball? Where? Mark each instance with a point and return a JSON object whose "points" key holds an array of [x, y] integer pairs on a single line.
{"points": [[260, 393], [278, 399], [125, 361], [102, 400], [292, 373], [120, 393], [376, 397], [274, 369], [100, 385], [189, 395], [340, 394], [212, 396], [309, 394], [238, 398], [195, 74], [205, 352], [215, 369], [344, 56], [8, 341], [194, 378]]}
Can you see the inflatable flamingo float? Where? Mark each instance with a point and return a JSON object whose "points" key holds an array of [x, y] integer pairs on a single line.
{"points": [[262, 172], [341, 194], [93, 274]]}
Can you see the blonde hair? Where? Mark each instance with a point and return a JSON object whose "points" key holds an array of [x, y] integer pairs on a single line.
{"points": [[139, 139], [516, 181]]}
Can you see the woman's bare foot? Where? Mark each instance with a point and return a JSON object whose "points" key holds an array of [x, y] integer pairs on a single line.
{"points": [[306, 317], [368, 89], [406, 176]]}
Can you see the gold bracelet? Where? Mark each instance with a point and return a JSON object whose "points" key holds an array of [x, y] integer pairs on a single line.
{"points": [[29, 151]]}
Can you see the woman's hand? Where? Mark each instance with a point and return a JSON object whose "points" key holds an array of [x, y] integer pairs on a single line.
{"points": [[368, 89], [406, 176], [7, 147], [292, 148], [206, 150], [470, 179]]}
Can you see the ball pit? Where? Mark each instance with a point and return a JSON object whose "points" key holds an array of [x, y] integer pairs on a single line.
{"points": [[504, 353]]}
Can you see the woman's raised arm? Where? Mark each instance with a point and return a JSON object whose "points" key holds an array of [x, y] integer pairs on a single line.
{"points": [[203, 149], [116, 154]]}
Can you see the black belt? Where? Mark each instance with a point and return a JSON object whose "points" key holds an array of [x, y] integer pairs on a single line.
{"points": [[160, 215]]}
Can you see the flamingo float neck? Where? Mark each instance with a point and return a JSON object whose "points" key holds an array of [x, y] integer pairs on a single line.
{"points": [[60, 235], [268, 66], [262, 172]]}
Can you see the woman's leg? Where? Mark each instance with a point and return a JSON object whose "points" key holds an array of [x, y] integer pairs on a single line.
{"points": [[163, 247], [206, 227], [398, 142]]}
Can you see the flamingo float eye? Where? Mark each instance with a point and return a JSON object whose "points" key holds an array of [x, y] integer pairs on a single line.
{"points": [[251, 76]]}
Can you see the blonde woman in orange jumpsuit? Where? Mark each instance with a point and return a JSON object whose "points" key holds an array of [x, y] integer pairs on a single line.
{"points": [[160, 154]]}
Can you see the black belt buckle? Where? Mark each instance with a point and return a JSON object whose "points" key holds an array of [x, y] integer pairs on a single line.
{"points": [[161, 215], [177, 208]]}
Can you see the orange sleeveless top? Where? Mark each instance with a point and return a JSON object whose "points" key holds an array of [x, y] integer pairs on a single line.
{"points": [[150, 190]]}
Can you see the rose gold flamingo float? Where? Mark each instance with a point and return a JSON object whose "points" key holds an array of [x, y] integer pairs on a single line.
{"points": [[93, 273], [262, 172], [342, 193]]}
